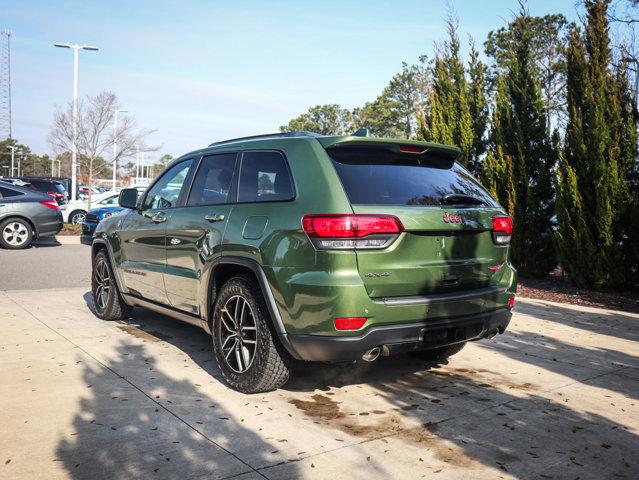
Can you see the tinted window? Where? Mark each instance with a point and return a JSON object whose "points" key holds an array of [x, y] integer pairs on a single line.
{"points": [[59, 187], [110, 200], [47, 186], [264, 178], [402, 181], [213, 180], [7, 192], [166, 191]]}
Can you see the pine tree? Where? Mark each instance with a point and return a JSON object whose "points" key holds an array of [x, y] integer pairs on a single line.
{"points": [[395, 112], [599, 156]]}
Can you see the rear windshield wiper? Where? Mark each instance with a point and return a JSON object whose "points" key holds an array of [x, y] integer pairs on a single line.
{"points": [[460, 199]]}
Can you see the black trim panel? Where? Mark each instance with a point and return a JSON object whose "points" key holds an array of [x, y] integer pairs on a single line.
{"points": [[404, 337], [440, 298], [268, 297], [135, 301]]}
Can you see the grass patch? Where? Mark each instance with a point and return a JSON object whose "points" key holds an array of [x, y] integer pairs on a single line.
{"points": [[70, 229]]}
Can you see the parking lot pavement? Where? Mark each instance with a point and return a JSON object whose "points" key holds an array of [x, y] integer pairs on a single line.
{"points": [[556, 397], [45, 264]]}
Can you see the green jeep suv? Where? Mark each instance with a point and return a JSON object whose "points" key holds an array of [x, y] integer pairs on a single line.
{"points": [[316, 248]]}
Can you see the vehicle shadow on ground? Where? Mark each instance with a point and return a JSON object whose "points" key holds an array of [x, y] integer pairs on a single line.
{"points": [[122, 430], [44, 243]]}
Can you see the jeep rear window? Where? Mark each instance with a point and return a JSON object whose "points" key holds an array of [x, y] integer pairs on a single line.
{"points": [[377, 177]]}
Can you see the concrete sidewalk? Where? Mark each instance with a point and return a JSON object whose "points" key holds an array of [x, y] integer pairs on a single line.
{"points": [[556, 397]]}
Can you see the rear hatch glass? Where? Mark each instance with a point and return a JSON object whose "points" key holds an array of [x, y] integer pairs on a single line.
{"points": [[384, 180], [447, 216]]}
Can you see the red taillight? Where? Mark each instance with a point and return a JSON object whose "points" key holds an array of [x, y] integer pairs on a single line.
{"points": [[503, 224], [55, 194], [349, 323], [511, 303], [347, 231], [411, 149], [52, 204], [502, 229], [350, 226]]}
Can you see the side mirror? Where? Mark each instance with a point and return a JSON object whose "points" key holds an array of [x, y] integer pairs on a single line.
{"points": [[128, 198]]}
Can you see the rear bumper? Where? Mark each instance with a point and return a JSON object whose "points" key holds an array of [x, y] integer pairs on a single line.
{"points": [[398, 338], [47, 225], [86, 239]]}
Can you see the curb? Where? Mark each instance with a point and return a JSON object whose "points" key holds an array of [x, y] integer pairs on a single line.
{"points": [[68, 239]]}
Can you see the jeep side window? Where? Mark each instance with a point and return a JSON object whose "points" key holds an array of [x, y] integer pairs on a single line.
{"points": [[264, 177], [166, 191], [212, 181]]}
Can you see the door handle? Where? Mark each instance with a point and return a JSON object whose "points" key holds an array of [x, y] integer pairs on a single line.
{"points": [[214, 218], [159, 217]]}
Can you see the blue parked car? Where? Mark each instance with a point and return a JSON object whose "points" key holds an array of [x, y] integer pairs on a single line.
{"points": [[95, 216]]}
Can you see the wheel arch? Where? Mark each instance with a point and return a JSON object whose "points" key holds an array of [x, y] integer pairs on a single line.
{"points": [[99, 245], [226, 267]]}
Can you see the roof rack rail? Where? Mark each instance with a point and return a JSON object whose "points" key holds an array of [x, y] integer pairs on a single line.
{"points": [[267, 135]]}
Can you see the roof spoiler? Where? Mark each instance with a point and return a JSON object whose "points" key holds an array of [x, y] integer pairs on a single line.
{"points": [[409, 151]]}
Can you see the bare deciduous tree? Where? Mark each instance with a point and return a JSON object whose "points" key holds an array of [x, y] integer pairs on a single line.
{"points": [[95, 137]]}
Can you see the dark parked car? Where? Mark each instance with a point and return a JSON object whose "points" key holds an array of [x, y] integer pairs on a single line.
{"points": [[26, 215], [50, 187]]}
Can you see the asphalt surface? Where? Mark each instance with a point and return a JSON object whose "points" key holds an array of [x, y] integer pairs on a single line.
{"points": [[46, 264], [554, 398]]}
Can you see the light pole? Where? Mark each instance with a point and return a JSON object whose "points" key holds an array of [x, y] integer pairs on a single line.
{"points": [[13, 154], [74, 147], [53, 169], [115, 148], [137, 164]]}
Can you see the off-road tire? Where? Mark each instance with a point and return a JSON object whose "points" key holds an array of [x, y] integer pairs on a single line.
{"points": [[440, 353], [271, 363], [114, 307], [25, 239]]}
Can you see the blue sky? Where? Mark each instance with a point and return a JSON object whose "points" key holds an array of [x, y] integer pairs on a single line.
{"points": [[199, 71]]}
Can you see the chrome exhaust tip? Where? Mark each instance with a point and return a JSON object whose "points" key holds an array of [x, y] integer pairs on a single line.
{"points": [[372, 354], [492, 333]]}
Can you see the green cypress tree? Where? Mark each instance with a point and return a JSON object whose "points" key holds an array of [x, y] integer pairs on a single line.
{"points": [[599, 154], [478, 108], [497, 169], [533, 155], [449, 119]]}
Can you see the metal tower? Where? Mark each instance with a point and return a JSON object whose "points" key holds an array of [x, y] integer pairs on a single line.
{"points": [[5, 84]]}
